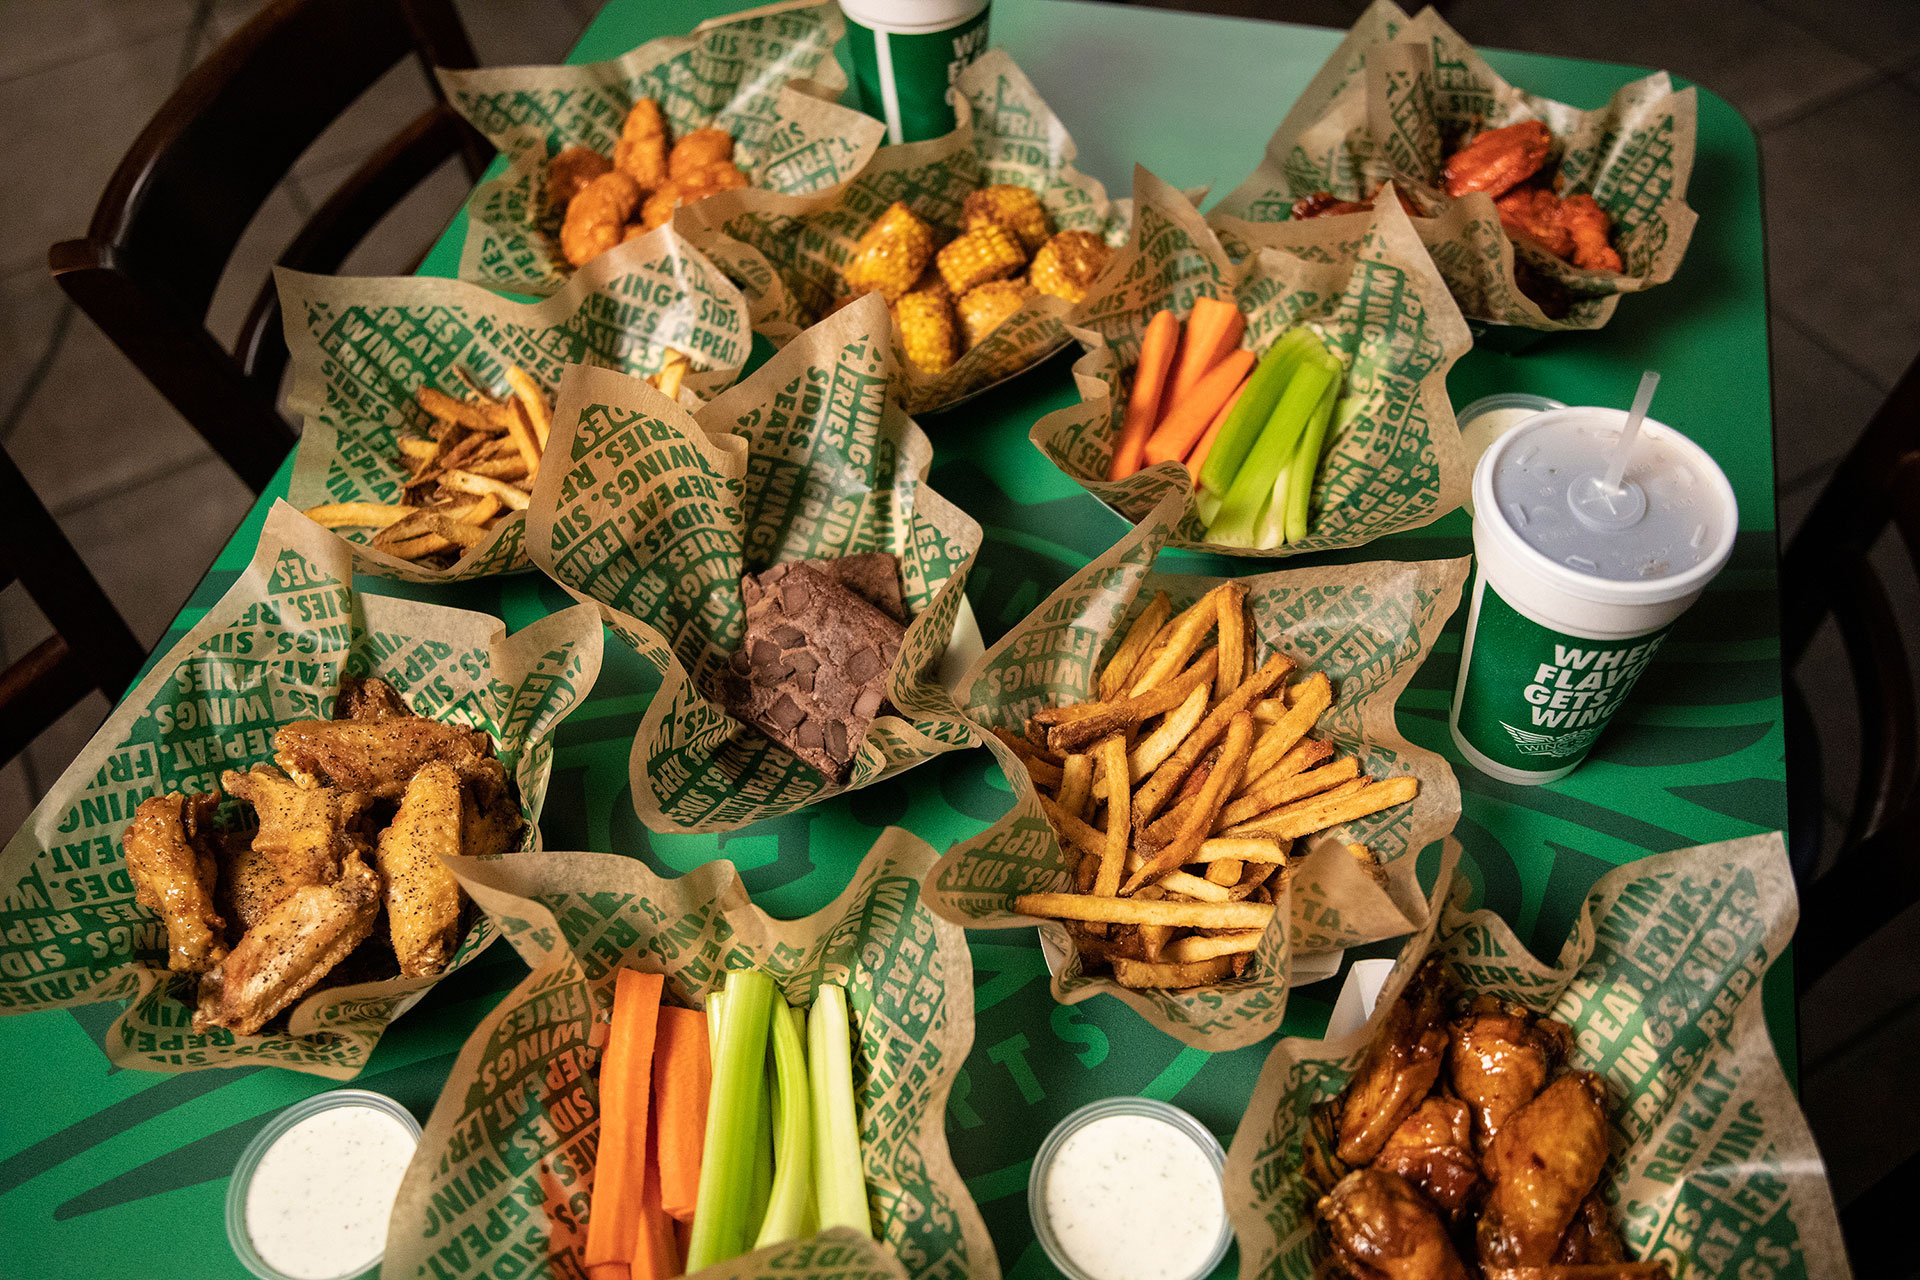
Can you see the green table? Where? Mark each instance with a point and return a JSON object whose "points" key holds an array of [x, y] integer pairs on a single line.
{"points": [[100, 1167]]}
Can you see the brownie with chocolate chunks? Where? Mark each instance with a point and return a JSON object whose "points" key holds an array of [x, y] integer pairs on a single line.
{"points": [[874, 576], [812, 669]]}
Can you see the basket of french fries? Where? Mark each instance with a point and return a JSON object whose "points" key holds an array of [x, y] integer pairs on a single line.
{"points": [[428, 403], [1540, 215], [625, 1084], [254, 847], [1618, 1113], [605, 151], [1293, 391], [978, 241], [1210, 794], [778, 557]]}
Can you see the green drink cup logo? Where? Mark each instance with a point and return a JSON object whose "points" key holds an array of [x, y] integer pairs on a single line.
{"points": [[1576, 585], [907, 55]]}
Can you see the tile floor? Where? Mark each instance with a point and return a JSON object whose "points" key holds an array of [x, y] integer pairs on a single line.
{"points": [[1833, 88]]}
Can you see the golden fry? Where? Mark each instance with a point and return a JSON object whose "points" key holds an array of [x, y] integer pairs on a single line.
{"points": [[1343, 804], [1043, 771], [467, 482], [1225, 871], [1146, 974], [1180, 915], [1220, 780], [370, 515], [1314, 695], [1287, 790], [1192, 886], [1151, 751], [1093, 721], [465, 413], [1204, 947], [534, 401], [1183, 638], [1232, 622], [1113, 753], [1076, 783], [1302, 756], [1141, 634], [1241, 849], [1167, 778]]}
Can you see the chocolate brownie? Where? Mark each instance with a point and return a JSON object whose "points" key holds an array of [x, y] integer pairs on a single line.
{"points": [[812, 669], [874, 576]]}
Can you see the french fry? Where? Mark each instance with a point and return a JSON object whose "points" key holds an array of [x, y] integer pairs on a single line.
{"points": [[1242, 849], [1314, 697], [419, 450], [1253, 880], [1305, 754], [1151, 751], [1369, 862], [1193, 887], [1198, 946], [1332, 808], [481, 512], [1287, 790], [369, 515], [1117, 717], [672, 374], [510, 467], [1180, 915], [467, 482], [458, 532], [465, 413], [1113, 752], [1168, 777], [1076, 783], [1044, 772], [1232, 643], [1199, 824], [1226, 871], [1113, 680], [534, 401], [522, 435], [1185, 634], [1144, 974]]}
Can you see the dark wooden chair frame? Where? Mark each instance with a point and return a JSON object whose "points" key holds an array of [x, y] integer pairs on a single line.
{"points": [[177, 206]]}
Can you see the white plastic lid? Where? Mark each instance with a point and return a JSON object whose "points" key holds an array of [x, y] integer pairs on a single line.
{"points": [[911, 17], [1664, 533]]}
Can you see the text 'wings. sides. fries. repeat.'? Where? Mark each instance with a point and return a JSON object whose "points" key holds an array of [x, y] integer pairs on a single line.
{"points": [[1180, 792], [477, 464]]}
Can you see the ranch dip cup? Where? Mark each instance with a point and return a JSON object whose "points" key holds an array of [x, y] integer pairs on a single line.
{"points": [[1575, 585]]}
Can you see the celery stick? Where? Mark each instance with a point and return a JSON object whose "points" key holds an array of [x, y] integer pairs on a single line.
{"points": [[793, 1161], [734, 1107], [839, 1178], [761, 1188], [1306, 463], [1238, 518], [1253, 408], [1271, 529], [716, 1007]]}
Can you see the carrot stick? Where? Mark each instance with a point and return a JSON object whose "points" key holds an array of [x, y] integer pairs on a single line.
{"points": [[1198, 458], [656, 1254], [1186, 419], [1213, 329], [1143, 405], [626, 1086], [682, 1079]]}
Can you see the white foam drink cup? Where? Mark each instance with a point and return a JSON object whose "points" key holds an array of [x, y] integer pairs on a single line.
{"points": [[906, 55], [1576, 585]]}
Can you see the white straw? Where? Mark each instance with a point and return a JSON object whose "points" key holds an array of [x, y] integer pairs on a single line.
{"points": [[1642, 401]]}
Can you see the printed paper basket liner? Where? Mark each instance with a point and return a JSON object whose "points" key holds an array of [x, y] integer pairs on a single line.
{"points": [[1006, 134], [361, 348], [1363, 283], [1367, 626], [654, 513], [1713, 1167], [731, 73], [1399, 95], [273, 650], [507, 1159]]}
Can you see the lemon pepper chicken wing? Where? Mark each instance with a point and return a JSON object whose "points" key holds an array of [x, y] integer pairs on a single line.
{"points": [[374, 756], [369, 698], [422, 897], [169, 856], [1379, 1228], [1502, 1056], [1540, 1167], [305, 832], [1400, 1068]]}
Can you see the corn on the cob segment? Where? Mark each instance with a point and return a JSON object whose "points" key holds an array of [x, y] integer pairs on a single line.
{"points": [[891, 255], [925, 321], [983, 307], [988, 252], [1013, 207], [1068, 263]]}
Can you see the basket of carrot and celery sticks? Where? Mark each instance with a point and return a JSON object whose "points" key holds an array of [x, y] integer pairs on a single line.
{"points": [[1293, 383]]}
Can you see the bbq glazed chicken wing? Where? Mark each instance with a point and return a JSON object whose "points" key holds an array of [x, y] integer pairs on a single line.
{"points": [[374, 756], [297, 943], [422, 897], [1544, 1161], [305, 832], [1501, 1057], [1591, 1237], [169, 850], [1380, 1229], [1433, 1150], [1591, 231], [1400, 1068], [1499, 160], [1533, 214]]}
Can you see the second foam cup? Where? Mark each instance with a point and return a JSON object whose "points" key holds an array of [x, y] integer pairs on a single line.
{"points": [[1576, 585]]}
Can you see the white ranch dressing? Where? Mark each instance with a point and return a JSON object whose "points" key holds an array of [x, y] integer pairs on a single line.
{"points": [[1134, 1198], [318, 1202]]}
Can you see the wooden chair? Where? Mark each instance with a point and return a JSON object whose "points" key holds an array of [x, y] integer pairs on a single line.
{"points": [[91, 646], [176, 207], [1848, 894]]}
